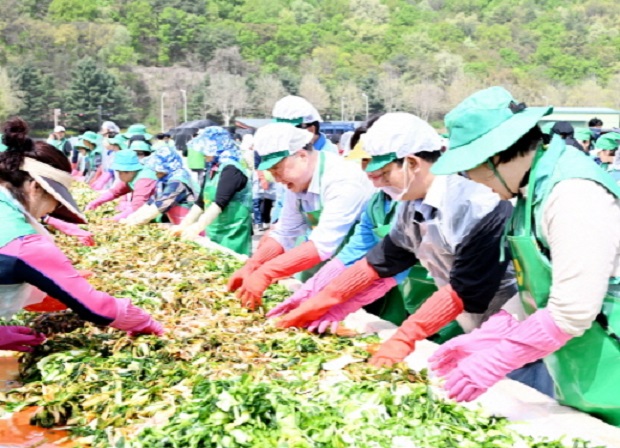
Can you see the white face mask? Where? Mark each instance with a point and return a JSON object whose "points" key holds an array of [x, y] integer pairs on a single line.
{"points": [[392, 192], [404, 191]]}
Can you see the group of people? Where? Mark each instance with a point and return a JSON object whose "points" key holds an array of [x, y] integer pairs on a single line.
{"points": [[500, 243]]}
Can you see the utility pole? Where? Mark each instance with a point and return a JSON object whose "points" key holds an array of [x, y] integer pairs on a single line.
{"points": [[163, 95], [366, 98], [184, 93], [100, 112]]}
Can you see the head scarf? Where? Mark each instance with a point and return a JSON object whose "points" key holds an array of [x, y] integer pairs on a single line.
{"points": [[217, 142], [165, 160]]}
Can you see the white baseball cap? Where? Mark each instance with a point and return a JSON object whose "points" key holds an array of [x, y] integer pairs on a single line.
{"points": [[295, 110], [276, 141], [60, 129], [396, 135]]}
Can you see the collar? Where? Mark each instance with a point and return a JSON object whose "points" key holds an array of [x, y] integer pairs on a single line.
{"points": [[315, 183], [432, 200], [320, 142]]}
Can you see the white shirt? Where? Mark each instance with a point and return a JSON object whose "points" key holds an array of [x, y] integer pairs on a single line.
{"points": [[581, 222], [343, 192]]}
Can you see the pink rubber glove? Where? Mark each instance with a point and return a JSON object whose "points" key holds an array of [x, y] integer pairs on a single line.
{"points": [[311, 288], [20, 339], [107, 196], [135, 320], [86, 238], [338, 313], [529, 341], [102, 181], [490, 333]]}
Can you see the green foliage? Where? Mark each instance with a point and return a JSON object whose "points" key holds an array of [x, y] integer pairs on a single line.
{"points": [[92, 88], [35, 91], [73, 10]]}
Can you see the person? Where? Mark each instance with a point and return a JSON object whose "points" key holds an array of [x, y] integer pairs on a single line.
{"points": [[110, 142], [88, 146], [449, 224], [385, 298], [137, 132], [583, 136], [568, 275], [325, 198], [299, 112], [134, 178], [566, 131], [223, 209], [174, 193], [75, 154], [344, 144], [605, 147], [263, 196], [34, 182], [142, 149], [58, 139], [196, 160]]}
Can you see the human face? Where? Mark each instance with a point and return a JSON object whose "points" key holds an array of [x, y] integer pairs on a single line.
{"points": [[40, 202], [295, 172], [160, 175], [607, 156], [391, 175], [209, 159], [141, 154], [505, 178], [127, 176]]}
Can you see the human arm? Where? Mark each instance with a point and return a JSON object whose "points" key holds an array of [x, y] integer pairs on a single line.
{"points": [[55, 275], [118, 189], [20, 339], [360, 243], [580, 214], [83, 236]]}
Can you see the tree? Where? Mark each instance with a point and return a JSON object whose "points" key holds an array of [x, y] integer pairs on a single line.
{"points": [[34, 90], [351, 100], [425, 99], [74, 10], [389, 90], [227, 94], [312, 90], [9, 99], [267, 90], [93, 91]]}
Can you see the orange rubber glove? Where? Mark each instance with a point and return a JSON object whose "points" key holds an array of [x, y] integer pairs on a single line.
{"points": [[351, 282], [268, 248], [439, 309], [295, 260]]}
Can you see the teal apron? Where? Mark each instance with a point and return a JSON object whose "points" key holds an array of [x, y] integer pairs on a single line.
{"points": [[233, 227], [586, 371], [312, 220]]}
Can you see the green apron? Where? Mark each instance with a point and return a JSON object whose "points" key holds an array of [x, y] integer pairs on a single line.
{"points": [[586, 371], [195, 159], [233, 227], [312, 219]]}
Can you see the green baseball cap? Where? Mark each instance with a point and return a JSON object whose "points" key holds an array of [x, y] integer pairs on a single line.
{"points": [[608, 142], [484, 124]]}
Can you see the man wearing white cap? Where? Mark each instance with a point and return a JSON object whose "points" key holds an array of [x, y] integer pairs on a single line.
{"points": [[324, 199], [302, 114], [448, 223], [59, 140]]}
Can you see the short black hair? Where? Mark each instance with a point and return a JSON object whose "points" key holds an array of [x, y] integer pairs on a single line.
{"points": [[316, 124], [429, 156], [594, 122], [363, 128], [527, 143]]}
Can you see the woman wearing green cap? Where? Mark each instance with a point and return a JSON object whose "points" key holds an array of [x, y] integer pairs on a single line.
{"points": [[135, 179], [569, 277], [142, 149], [606, 146], [88, 147]]}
